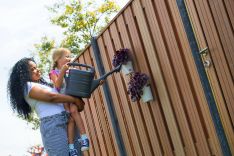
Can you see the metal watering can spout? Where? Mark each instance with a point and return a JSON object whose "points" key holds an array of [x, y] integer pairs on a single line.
{"points": [[96, 83]]}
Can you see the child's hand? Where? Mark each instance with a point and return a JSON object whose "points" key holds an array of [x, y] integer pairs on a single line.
{"points": [[65, 67]]}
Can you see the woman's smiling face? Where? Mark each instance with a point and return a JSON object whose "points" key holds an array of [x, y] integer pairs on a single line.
{"points": [[35, 72]]}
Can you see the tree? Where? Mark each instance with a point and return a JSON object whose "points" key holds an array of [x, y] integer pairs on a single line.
{"points": [[81, 20], [33, 120], [43, 53]]}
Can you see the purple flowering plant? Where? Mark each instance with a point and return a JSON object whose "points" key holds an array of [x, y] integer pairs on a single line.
{"points": [[136, 84], [121, 57]]}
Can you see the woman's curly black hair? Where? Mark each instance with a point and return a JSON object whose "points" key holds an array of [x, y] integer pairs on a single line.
{"points": [[17, 87]]}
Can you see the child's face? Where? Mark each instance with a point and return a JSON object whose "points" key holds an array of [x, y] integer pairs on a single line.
{"points": [[35, 72], [65, 58]]}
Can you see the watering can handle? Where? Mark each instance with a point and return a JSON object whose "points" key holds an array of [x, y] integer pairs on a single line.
{"points": [[79, 64]]}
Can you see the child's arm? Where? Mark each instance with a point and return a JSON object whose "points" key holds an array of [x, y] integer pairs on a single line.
{"points": [[58, 79]]}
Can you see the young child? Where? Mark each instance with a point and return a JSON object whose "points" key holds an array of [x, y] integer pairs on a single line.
{"points": [[61, 57]]}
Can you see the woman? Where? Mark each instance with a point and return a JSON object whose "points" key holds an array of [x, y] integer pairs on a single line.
{"points": [[29, 91]]}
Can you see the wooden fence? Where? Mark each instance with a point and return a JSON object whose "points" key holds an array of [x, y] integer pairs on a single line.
{"points": [[178, 121]]}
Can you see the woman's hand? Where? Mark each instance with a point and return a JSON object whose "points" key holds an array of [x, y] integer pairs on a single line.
{"points": [[80, 104], [101, 82]]}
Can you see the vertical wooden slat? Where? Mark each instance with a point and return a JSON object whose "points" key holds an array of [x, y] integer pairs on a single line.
{"points": [[120, 115], [131, 40], [140, 126], [105, 116], [98, 125], [137, 50], [86, 124], [225, 31], [211, 72], [123, 97], [104, 130], [229, 4], [226, 35], [150, 124], [102, 120], [169, 115], [221, 68], [212, 136], [217, 54], [157, 34], [183, 78], [91, 128]]}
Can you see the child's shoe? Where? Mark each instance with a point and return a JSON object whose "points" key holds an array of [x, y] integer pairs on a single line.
{"points": [[84, 142], [73, 152]]}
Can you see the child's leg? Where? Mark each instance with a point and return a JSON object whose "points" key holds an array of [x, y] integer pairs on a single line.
{"points": [[84, 141], [71, 130], [77, 117], [71, 136]]}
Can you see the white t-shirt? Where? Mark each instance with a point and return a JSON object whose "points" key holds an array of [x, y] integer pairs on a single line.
{"points": [[42, 108]]}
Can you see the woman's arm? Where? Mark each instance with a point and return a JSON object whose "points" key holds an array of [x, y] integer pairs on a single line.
{"points": [[40, 94]]}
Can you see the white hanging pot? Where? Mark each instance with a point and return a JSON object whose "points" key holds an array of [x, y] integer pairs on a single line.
{"points": [[127, 68], [147, 94]]}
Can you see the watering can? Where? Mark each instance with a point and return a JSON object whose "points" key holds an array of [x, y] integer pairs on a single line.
{"points": [[81, 83]]}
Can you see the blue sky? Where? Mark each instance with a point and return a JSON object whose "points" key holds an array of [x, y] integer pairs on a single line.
{"points": [[22, 24]]}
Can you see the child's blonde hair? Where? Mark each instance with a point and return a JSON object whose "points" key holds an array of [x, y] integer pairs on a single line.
{"points": [[57, 54]]}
